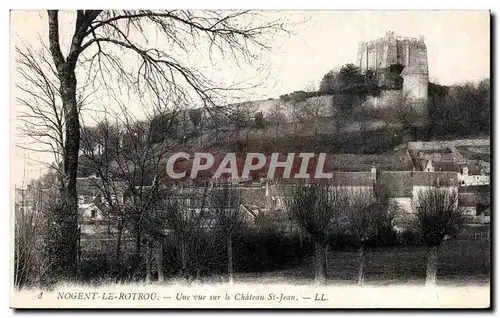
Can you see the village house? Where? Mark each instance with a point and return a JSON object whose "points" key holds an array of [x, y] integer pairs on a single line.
{"points": [[196, 199], [399, 188], [403, 174], [471, 162], [475, 200], [468, 173], [471, 174], [93, 204]]}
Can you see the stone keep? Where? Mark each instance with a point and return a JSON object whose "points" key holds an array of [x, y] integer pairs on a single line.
{"points": [[392, 51]]}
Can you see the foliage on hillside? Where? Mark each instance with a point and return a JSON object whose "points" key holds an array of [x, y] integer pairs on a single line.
{"points": [[351, 87], [297, 125], [460, 110]]}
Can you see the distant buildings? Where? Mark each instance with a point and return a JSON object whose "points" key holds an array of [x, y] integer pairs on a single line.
{"points": [[460, 166], [469, 161]]}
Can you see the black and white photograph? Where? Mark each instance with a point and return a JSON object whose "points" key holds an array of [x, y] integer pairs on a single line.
{"points": [[323, 159]]}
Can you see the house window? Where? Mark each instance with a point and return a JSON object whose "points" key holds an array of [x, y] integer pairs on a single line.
{"points": [[93, 213]]}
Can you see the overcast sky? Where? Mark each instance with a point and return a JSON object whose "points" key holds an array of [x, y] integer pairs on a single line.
{"points": [[458, 45]]}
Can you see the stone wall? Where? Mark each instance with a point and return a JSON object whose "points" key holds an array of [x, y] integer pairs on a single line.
{"points": [[386, 98], [416, 86], [433, 145]]}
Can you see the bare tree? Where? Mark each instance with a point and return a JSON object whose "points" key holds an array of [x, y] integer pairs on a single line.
{"points": [[312, 114], [100, 43], [33, 235], [310, 87], [40, 114], [318, 209], [229, 218], [277, 118], [368, 217], [128, 162], [196, 118], [187, 230], [361, 219], [437, 216]]}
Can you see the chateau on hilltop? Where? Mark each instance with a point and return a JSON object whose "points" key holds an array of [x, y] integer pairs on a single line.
{"points": [[393, 57]]}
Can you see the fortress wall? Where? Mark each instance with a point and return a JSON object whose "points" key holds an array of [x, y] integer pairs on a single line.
{"points": [[372, 58], [385, 99], [381, 58], [416, 86], [400, 53], [413, 60], [436, 145], [392, 53]]}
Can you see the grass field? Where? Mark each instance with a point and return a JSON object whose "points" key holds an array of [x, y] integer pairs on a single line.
{"points": [[461, 262]]}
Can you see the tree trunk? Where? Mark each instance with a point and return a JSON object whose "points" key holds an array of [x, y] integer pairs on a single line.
{"points": [[138, 239], [320, 263], [79, 251], [201, 132], [183, 258], [69, 220], [432, 260], [119, 241], [159, 263], [361, 269], [148, 265], [230, 259]]}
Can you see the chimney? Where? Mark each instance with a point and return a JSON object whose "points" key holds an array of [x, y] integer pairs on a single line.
{"points": [[465, 170], [373, 172], [268, 198]]}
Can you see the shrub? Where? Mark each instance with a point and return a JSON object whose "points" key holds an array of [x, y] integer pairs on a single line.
{"points": [[409, 237], [99, 267]]}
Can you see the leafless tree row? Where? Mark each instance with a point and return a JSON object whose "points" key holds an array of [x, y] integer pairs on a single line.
{"points": [[324, 211], [99, 55]]}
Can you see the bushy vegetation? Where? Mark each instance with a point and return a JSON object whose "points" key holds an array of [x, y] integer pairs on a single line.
{"points": [[451, 112], [300, 96], [350, 87], [460, 110]]}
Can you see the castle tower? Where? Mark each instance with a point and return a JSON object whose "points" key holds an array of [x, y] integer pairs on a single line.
{"points": [[400, 64], [409, 53], [416, 73]]}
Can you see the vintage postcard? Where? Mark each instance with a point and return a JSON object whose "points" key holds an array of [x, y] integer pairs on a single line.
{"points": [[250, 159]]}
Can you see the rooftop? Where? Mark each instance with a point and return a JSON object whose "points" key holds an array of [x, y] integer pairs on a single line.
{"points": [[397, 161], [445, 166], [437, 178], [398, 183]]}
